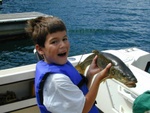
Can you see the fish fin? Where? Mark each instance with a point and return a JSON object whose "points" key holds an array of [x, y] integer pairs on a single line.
{"points": [[95, 52], [105, 79]]}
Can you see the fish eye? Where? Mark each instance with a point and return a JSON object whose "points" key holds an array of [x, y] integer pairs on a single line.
{"points": [[123, 74]]}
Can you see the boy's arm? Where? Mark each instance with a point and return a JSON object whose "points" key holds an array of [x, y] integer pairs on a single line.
{"points": [[94, 87]]}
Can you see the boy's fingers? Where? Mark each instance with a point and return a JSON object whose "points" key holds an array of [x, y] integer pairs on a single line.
{"points": [[95, 58], [108, 66], [106, 69]]}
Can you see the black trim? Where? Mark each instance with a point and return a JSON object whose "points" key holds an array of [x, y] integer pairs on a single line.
{"points": [[147, 67], [83, 81], [40, 90]]}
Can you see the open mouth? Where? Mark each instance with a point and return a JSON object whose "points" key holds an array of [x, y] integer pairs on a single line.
{"points": [[131, 84], [62, 54]]}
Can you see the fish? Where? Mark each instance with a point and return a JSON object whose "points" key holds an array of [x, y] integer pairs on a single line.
{"points": [[119, 70]]}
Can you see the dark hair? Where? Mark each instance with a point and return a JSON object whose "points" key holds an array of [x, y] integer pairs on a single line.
{"points": [[40, 27]]}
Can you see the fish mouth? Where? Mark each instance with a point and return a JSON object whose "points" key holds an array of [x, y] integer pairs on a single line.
{"points": [[131, 84]]}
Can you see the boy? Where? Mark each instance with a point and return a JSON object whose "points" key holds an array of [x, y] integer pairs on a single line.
{"points": [[56, 80]]}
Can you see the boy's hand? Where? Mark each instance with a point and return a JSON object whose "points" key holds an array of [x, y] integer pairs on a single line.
{"points": [[104, 72], [94, 69]]}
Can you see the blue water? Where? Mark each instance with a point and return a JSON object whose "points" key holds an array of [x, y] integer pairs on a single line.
{"points": [[92, 24]]}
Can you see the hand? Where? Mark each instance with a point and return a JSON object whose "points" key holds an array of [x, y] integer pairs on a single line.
{"points": [[93, 68], [104, 73]]}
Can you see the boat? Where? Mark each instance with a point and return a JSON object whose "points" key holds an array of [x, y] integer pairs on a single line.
{"points": [[12, 25], [113, 96]]}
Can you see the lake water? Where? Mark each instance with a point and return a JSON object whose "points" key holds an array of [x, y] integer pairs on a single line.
{"points": [[91, 24]]}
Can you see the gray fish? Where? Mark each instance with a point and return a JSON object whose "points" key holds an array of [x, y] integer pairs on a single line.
{"points": [[118, 70]]}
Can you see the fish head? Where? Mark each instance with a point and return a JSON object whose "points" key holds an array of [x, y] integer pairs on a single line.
{"points": [[125, 77]]}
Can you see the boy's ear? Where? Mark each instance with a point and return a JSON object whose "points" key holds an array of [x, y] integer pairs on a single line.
{"points": [[39, 49]]}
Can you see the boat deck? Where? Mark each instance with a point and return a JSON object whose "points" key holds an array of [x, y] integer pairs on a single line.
{"points": [[19, 16]]}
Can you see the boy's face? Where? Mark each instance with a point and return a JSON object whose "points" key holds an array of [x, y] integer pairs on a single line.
{"points": [[56, 48]]}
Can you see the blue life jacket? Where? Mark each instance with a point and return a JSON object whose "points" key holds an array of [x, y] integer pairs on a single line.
{"points": [[43, 70]]}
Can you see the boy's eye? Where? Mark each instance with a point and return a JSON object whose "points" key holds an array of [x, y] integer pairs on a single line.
{"points": [[65, 38], [54, 42]]}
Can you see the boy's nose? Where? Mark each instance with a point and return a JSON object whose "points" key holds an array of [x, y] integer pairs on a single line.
{"points": [[62, 44]]}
